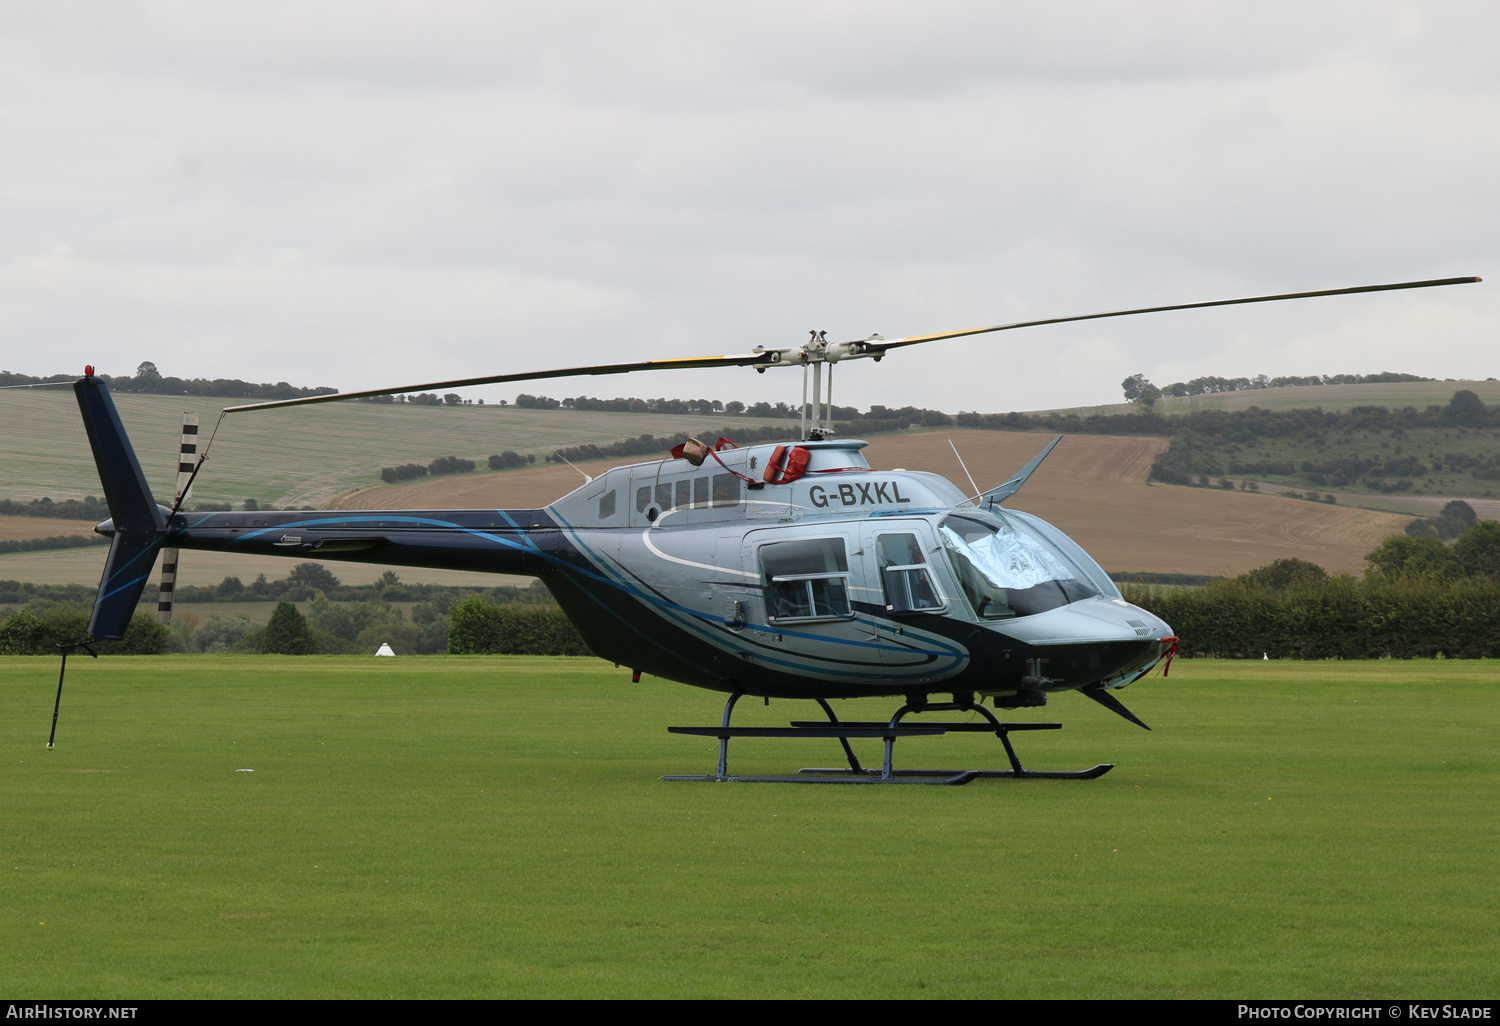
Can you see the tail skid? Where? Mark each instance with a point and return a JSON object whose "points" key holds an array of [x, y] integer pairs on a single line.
{"points": [[140, 525]]}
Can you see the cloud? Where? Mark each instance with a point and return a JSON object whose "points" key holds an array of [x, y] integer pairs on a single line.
{"points": [[358, 194]]}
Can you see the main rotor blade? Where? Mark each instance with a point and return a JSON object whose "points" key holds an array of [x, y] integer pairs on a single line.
{"points": [[911, 340], [746, 360]]}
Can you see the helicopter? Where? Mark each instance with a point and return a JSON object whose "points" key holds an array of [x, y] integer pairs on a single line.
{"points": [[788, 570]]}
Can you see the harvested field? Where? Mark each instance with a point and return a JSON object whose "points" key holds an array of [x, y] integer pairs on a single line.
{"points": [[26, 528], [1092, 486]]}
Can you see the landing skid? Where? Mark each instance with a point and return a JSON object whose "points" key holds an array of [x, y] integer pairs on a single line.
{"points": [[889, 732]]}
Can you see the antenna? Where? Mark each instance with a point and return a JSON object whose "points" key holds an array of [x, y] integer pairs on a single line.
{"points": [[970, 476], [559, 455]]}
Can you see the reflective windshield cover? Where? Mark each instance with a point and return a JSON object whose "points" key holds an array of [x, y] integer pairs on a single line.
{"points": [[1006, 568]]}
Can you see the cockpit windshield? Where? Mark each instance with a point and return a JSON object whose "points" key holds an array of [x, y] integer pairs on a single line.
{"points": [[1006, 569]]}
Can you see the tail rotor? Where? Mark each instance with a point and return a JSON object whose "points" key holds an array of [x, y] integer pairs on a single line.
{"points": [[187, 464]]}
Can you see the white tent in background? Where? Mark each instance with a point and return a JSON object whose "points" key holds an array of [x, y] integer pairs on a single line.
{"points": [[385, 649]]}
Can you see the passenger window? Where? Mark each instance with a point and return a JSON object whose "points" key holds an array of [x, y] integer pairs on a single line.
{"points": [[906, 576], [642, 499], [726, 490], [664, 496], [607, 505], [684, 494], [700, 492], [806, 580]]}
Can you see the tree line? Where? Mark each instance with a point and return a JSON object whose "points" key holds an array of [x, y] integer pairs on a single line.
{"points": [[148, 379], [1138, 388], [1418, 598], [340, 619]]}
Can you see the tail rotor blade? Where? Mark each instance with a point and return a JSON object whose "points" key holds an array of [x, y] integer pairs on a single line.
{"points": [[187, 461], [168, 586]]}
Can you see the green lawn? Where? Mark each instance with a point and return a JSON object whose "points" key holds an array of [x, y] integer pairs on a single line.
{"points": [[456, 827]]}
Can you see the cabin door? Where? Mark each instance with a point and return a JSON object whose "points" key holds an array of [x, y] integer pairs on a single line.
{"points": [[804, 620]]}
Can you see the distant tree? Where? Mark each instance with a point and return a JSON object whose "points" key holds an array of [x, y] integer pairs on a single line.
{"points": [[473, 627], [312, 577], [1477, 553], [219, 634], [1458, 509], [287, 633], [1285, 574], [147, 373], [1466, 409], [144, 636], [229, 587], [453, 399], [1402, 556], [450, 465], [20, 633], [1134, 386]]}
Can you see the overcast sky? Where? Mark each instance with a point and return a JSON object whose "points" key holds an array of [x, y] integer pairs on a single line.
{"points": [[367, 194]]}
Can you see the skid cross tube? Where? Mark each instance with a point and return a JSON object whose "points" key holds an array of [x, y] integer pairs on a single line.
{"points": [[888, 732]]}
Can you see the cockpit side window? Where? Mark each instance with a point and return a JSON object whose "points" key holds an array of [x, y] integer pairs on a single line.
{"points": [[806, 580], [906, 576]]}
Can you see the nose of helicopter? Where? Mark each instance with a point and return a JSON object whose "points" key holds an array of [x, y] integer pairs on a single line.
{"points": [[1096, 641], [1095, 619]]}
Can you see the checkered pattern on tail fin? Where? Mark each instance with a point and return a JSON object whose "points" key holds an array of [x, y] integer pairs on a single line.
{"points": [[187, 461]]}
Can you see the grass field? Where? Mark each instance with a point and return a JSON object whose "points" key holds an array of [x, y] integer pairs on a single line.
{"points": [[451, 827]]}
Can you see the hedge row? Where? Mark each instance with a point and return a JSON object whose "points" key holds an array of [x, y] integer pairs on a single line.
{"points": [[477, 627], [1344, 618], [24, 633]]}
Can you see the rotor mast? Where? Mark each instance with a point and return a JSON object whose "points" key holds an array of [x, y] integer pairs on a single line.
{"points": [[813, 356]]}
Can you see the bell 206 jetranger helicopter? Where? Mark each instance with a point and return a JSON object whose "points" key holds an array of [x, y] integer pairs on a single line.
{"points": [[776, 571]]}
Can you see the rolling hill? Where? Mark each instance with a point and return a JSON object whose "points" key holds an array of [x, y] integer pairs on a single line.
{"points": [[298, 457], [1420, 394], [1094, 487]]}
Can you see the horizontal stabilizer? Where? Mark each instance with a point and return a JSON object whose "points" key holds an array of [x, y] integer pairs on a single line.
{"points": [[1114, 705]]}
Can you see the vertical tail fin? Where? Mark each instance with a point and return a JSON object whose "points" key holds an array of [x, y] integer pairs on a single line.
{"points": [[139, 524]]}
